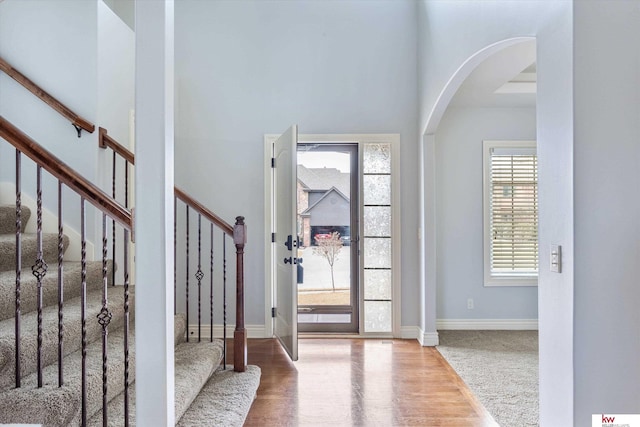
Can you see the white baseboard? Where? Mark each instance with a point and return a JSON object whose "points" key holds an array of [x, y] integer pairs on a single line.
{"points": [[253, 331], [487, 324], [428, 339], [410, 332]]}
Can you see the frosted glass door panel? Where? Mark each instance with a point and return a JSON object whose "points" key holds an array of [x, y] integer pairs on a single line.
{"points": [[377, 242]]}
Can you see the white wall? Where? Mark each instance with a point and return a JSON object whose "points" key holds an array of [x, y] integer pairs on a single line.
{"points": [[607, 208], [449, 34], [116, 75], [246, 68], [56, 48], [54, 43], [125, 9], [82, 54], [460, 214]]}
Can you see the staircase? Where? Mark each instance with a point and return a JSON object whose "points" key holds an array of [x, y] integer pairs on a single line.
{"points": [[67, 333], [196, 364]]}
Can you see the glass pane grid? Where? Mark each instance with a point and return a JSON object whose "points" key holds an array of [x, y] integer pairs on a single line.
{"points": [[377, 233]]}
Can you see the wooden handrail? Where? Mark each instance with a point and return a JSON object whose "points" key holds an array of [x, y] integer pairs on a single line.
{"points": [[64, 173], [225, 226], [237, 231], [75, 119], [105, 141]]}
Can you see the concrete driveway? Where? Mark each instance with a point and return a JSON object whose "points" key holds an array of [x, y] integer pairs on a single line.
{"points": [[317, 273]]}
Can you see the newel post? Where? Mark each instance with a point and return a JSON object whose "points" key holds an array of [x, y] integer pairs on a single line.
{"points": [[240, 333]]}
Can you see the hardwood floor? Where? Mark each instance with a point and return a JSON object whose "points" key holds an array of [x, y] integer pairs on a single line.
{"points": [[360, 382]]}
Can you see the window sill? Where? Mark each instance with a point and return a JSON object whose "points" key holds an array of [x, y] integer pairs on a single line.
{"points": [[496, 281]]}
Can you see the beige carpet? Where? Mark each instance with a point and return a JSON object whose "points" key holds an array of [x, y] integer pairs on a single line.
{"points": [[225, 400], [501, 368]]}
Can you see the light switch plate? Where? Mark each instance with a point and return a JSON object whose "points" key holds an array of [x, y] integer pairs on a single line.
{"points": [[555, 255]]}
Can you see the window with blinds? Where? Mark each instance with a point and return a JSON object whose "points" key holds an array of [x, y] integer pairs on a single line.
{"points": [[511, 212]]}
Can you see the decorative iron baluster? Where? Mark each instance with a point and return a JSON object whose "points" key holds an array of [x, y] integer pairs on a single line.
{"points": [[83, 307], [60, 288], [39, 270], [211, 290], [113, 222], [18, 264], [199, 275], [224, 300], [126, 327], [187, 283], [104, 318]]}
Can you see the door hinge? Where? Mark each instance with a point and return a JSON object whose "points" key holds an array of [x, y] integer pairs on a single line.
{"points": [[273, 162], [273, 237], [273, 312]]}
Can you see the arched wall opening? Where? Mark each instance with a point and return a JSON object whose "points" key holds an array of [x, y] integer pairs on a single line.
{"points": [[429, 217]]}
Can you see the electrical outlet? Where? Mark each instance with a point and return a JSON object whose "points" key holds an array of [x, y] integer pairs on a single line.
{"points": [[470, 304]]}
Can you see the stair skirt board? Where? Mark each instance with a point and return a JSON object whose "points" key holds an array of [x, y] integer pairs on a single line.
{"points": [[253, 331]]}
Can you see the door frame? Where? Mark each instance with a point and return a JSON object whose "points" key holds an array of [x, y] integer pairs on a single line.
{"points": [[355, 213], [394, 140]]}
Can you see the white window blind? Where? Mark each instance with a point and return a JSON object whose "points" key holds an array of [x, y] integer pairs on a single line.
{"points": [[514, 212]]}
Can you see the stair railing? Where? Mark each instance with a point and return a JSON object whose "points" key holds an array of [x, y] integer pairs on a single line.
{"points": [[237, 232], [88, 192], [78, 122]]}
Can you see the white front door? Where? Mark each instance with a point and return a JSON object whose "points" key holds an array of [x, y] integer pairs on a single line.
{"points": [[286, 240]]}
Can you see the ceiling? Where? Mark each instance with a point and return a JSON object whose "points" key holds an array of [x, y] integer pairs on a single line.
{"points": [[506, 79]]}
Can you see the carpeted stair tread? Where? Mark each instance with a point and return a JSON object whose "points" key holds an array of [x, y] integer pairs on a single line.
{"points": [[225, 400], [29, 249], [8, 218], [54, 406], [179, 328], [72, 332], [28, 289], [194, 364]]}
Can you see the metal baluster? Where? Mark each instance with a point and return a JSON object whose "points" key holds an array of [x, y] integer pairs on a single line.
{"points": [[18, 264], [60, 289], [104, 317], [126, 327], [113, 222], [199, 275], [83, 307], [39, 270], [224, 300], [187, 284], [211, 289]]}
